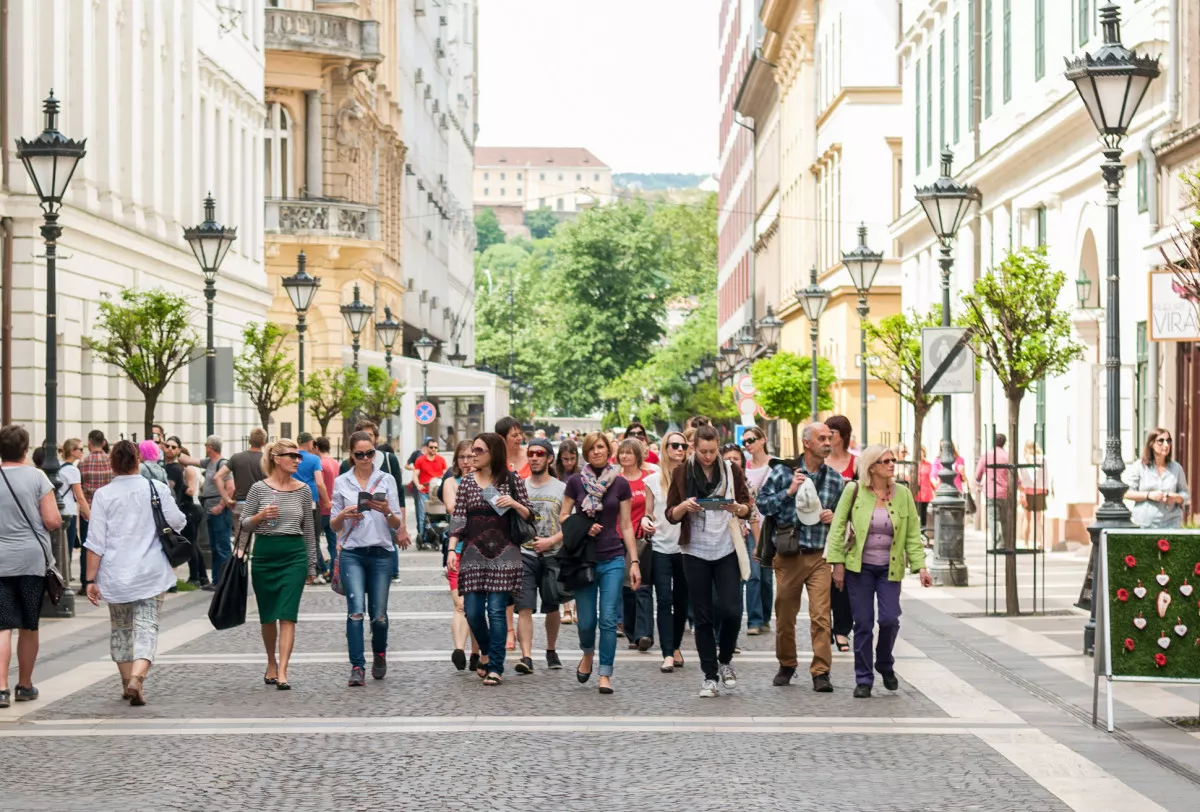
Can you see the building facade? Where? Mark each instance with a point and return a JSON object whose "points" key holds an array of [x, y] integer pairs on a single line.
{"points": [[182, 84], [514, 181]]}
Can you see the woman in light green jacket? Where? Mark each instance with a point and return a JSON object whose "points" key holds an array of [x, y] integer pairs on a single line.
{"points": [[870, 560]]}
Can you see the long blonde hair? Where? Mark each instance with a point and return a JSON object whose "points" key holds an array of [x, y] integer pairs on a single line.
{"points": [[280, 446], [867, 459], [663, 463]]}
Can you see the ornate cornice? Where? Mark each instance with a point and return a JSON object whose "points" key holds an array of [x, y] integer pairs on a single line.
{"points": [[797, 49]]}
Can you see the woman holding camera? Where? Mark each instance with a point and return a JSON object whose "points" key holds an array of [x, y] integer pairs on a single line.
{"points": [[366, 512]]}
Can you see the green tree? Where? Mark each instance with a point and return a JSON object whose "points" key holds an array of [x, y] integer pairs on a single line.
{"points": [[381, 397], [330, 392], [1015, 323], [263, 371], [541, 222], [784, 383], [896, 341], [487, 230], [147, 335], [687, 246]]}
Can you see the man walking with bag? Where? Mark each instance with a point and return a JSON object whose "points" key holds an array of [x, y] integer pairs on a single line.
{"points": [[796, 551]]}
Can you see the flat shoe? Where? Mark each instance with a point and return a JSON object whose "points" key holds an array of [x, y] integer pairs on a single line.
{"points": [[604, 689], [667, 669], [581, 676], [459, 658], [283, 686]]}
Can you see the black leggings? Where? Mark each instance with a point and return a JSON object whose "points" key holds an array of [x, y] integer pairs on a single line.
{"points": [[671, 594], [726, 577]]}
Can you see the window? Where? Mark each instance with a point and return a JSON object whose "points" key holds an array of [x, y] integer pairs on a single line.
{"points": [[955, 78], [486, 191], [596, 176], [277, 136], [541, 176], [1143, 203], [917, 140], [503, 192], [1084, 21], [1039, 39], [942, 89], [560, 176], [578, 177], [519, 175], [972, 10], [486, 176], [560, 204], [1007, 46], [1040, 224], [518, 191], [542, 203], [502, 177], [929, 106], [987, 58]]}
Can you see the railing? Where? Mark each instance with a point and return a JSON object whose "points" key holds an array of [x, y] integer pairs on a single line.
{"points": [[323, 218], [315, 33]]}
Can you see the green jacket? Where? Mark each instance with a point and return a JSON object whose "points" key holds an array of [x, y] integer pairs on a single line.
{"points": [[906, 526]]}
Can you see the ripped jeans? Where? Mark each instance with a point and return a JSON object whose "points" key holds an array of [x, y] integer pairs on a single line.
{"points": [[366, 577]]}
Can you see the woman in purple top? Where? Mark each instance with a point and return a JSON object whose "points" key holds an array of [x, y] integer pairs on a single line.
{"points": [[600, 492]]}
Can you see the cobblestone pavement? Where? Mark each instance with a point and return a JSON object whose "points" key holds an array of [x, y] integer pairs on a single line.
{"points": [[957, 735]]}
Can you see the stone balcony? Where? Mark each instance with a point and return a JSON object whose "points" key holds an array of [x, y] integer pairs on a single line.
{"points": [[310, 32], [322, 218]]}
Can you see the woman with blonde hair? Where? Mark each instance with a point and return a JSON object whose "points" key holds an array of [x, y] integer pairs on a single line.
{"points": [[70, 488], [279, 511], [1032, 482], [666, 572], [875, 527]]}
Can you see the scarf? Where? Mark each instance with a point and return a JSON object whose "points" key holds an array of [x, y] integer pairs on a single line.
{"points": [[595, 486], [704, 487]]}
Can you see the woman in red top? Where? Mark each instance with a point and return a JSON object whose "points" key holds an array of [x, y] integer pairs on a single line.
{"points": [[638, 609], [636, 431], [843, 461], [925, 489]]}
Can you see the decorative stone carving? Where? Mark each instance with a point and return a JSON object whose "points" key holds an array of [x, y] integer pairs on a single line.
{"points": [[353, 222], [300, 217]]}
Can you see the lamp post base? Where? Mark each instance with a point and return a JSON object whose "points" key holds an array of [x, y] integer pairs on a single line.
{"points": [[1087, 597], [948, 568]]}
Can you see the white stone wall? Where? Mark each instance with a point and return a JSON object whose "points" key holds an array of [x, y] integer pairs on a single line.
{"points": [[171, 106]]}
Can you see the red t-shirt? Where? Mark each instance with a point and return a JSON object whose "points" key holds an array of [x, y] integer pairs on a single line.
{"points": [[651, 457], [428, 469], [329, 472], [637, 505]]}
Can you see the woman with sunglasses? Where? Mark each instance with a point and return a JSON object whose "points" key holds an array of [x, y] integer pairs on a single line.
{"points": [[279, 511], [460, 632], [758, 466], [636, 431], [666, 571], [870, 563], [483, 551], [1157, 484]]}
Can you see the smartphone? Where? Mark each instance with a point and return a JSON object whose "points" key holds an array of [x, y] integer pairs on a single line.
{"points": [[713, 504]]}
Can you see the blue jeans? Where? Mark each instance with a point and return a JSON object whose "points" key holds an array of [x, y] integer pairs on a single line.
{"points": [[754, 603], [418, 500], [766, 591], [488, 620], [602, 598], [330, 541], [366, 578], [219, 528]]}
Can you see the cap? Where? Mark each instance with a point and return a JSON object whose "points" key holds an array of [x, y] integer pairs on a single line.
{"points": [[808, 504], [542, 442]]}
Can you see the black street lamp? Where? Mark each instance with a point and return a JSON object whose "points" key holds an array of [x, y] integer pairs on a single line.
{"points": [[301, 288], [862, 264], [746, 345], [388, 330], [50, 159], [356, 314], [1112, 83], [456, 358], [813, 299], [210, 243], [946, 203], [425, 347], [768, 329]]}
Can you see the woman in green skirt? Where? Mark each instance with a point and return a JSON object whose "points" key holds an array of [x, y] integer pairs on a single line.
{"points": [[285, 553]]}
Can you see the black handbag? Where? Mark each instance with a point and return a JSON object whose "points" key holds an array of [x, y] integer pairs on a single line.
{"points": [[554, 592], [176, 547], [520, 529], [787, 541], [54, 584], [228, 607]]}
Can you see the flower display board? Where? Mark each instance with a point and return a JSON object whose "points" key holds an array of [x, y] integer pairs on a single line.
{"points": [[1149, 611]]}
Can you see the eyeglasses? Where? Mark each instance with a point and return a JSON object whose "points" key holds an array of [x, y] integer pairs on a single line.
{"points": [[888, 461], [538, 454], [1166, 440], [169, 447], [677, 446], [432, 448], [477, 451], [637, 434], [291, 455], [362, 455]]}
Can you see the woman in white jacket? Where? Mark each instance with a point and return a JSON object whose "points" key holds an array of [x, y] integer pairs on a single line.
{"points": [[666, 571]]}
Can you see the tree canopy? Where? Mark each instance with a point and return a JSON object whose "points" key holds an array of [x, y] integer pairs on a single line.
{"points": [[784, 384], [263, 371], [487, 230], [541, 222]]}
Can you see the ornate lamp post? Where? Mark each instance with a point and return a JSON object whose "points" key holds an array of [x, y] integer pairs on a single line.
{"points": [[456, 358], [813, 299], [746, 345], [388, 330], [356, 314], [862, 264], [301, 288], [768, 329], [946, 203], [425, 347], [50, 159], [1112, 83]]}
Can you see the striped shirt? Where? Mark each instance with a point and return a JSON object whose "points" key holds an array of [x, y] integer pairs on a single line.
{"points": [[295, 515]]}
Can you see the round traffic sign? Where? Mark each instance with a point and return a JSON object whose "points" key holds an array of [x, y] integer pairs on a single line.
{"points": [[747, 406], [425, 413], [745, 386]]}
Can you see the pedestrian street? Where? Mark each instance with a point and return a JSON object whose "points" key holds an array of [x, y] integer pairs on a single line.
{"points": [[956, 735]]}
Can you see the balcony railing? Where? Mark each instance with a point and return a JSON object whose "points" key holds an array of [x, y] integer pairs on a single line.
{"points": [[323, 218], [313, 33]]}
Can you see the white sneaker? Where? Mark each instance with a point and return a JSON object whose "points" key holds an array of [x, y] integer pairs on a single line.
{"points": [[709, 689], [728, 676]]}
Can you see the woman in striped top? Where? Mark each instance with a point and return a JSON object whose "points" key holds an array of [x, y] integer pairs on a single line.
{"points": [[285, 553]]}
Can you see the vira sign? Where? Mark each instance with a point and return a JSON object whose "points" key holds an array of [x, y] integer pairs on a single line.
{"points": [[1174, 312]]}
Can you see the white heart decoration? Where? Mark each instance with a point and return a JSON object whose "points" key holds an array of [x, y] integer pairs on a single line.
{"points": [[1181, 630], [1140, 591], [1185, 590], [1164, 642], [1162, 578], [1140, 622]]}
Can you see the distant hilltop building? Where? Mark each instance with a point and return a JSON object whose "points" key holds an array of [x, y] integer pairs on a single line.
{"points": [[512, 181]]}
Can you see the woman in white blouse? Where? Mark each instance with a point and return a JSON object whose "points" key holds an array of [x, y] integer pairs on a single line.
{"points": [[128, 568]]}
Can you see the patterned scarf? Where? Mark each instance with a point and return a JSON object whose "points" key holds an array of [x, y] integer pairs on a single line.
{"points": [[701, 486], [595, 486]]}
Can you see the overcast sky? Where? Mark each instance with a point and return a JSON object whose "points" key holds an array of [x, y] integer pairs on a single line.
{"points": [[634, 81]]}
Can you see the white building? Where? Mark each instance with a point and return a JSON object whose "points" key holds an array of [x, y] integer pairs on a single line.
{"points": [[170, 99], [985, 78], [513, 181]]}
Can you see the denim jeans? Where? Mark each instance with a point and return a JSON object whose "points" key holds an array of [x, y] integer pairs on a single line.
{"points": [[219, 527], [418, 500], [330, 541], [601, 599], [365, 575], [671, 595], [766, 590], [488, 620], [864, 589], [754, 604]]}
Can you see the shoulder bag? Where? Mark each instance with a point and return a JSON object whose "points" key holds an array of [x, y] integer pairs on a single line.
{"points": [[177, 549], [520, 529], [228, 607], [54, 583], [850, 538]]}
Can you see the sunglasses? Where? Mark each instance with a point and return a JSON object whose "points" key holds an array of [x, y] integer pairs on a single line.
{"points": [[677, 446], [637, 434], [1166, 440], [536, 453], [291, 455], [477, 451], [746, 441], [431, 448], [362, 455], [885, 462], [169, 447]]}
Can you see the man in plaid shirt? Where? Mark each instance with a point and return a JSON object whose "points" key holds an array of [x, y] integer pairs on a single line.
{"points": [[808, 569], [94, 473]]}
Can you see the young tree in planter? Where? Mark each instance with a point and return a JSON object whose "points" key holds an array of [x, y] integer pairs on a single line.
{"points": [[147, 335], [784, 384], [381, 396], [896, 341], [262, 370], [330, 392], [1017, 327]]}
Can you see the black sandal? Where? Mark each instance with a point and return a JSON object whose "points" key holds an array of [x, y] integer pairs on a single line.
{"points": [[283, 686], [493, 679], [841, 646], [481, 670]]}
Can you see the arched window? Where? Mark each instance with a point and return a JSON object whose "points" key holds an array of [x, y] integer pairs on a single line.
{"points": [[277, 138]]}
